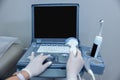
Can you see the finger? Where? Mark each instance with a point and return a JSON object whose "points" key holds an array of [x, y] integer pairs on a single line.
{"points": [[47, 64], [78, 52], [33, 53], [45, 57], [71, 55], [42, 54]]}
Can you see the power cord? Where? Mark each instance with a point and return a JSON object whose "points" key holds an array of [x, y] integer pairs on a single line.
{"points": [[79, 78], [87, 67]]}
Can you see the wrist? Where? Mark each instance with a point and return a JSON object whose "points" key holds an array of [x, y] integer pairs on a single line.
{"points": [[22, 75], [29, 73], [25, 74]]}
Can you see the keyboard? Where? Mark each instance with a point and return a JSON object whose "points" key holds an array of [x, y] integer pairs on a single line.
{"points": [[53, 48]]}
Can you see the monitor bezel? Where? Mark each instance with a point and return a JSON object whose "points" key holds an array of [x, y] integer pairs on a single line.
{"points": [[39, 40]]}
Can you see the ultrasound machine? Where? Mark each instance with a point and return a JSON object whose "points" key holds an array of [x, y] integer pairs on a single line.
{"points": [[52, 24]]}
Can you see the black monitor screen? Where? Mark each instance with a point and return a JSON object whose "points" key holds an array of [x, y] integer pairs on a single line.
{"points": [[54, 21]]}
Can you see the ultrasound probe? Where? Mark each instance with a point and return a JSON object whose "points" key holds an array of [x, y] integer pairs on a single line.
{"points": [[97, 42], [73, 43]]}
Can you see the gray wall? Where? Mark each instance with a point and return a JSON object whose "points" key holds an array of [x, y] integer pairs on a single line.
{"points": [[15, 20]]}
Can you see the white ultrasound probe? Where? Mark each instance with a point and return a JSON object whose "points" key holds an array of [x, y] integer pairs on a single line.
{"points": [[73, 43]]}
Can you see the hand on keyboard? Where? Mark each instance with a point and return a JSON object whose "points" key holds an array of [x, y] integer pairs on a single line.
{"points": [[36, 66]]}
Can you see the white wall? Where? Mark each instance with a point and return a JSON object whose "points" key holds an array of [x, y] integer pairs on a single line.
{"points": [[15, 20]]}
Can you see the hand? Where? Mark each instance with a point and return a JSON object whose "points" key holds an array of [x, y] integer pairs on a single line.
{"points": [[74, 65], [36, 66]]}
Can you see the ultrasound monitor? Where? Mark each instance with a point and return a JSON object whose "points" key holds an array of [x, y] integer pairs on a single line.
{"points": [[55, 20]]}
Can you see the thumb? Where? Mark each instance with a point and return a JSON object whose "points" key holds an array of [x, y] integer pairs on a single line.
{"points": [[47, 64]]}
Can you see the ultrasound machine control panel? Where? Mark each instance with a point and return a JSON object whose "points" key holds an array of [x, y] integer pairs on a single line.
{"points": [[58, 67]]}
